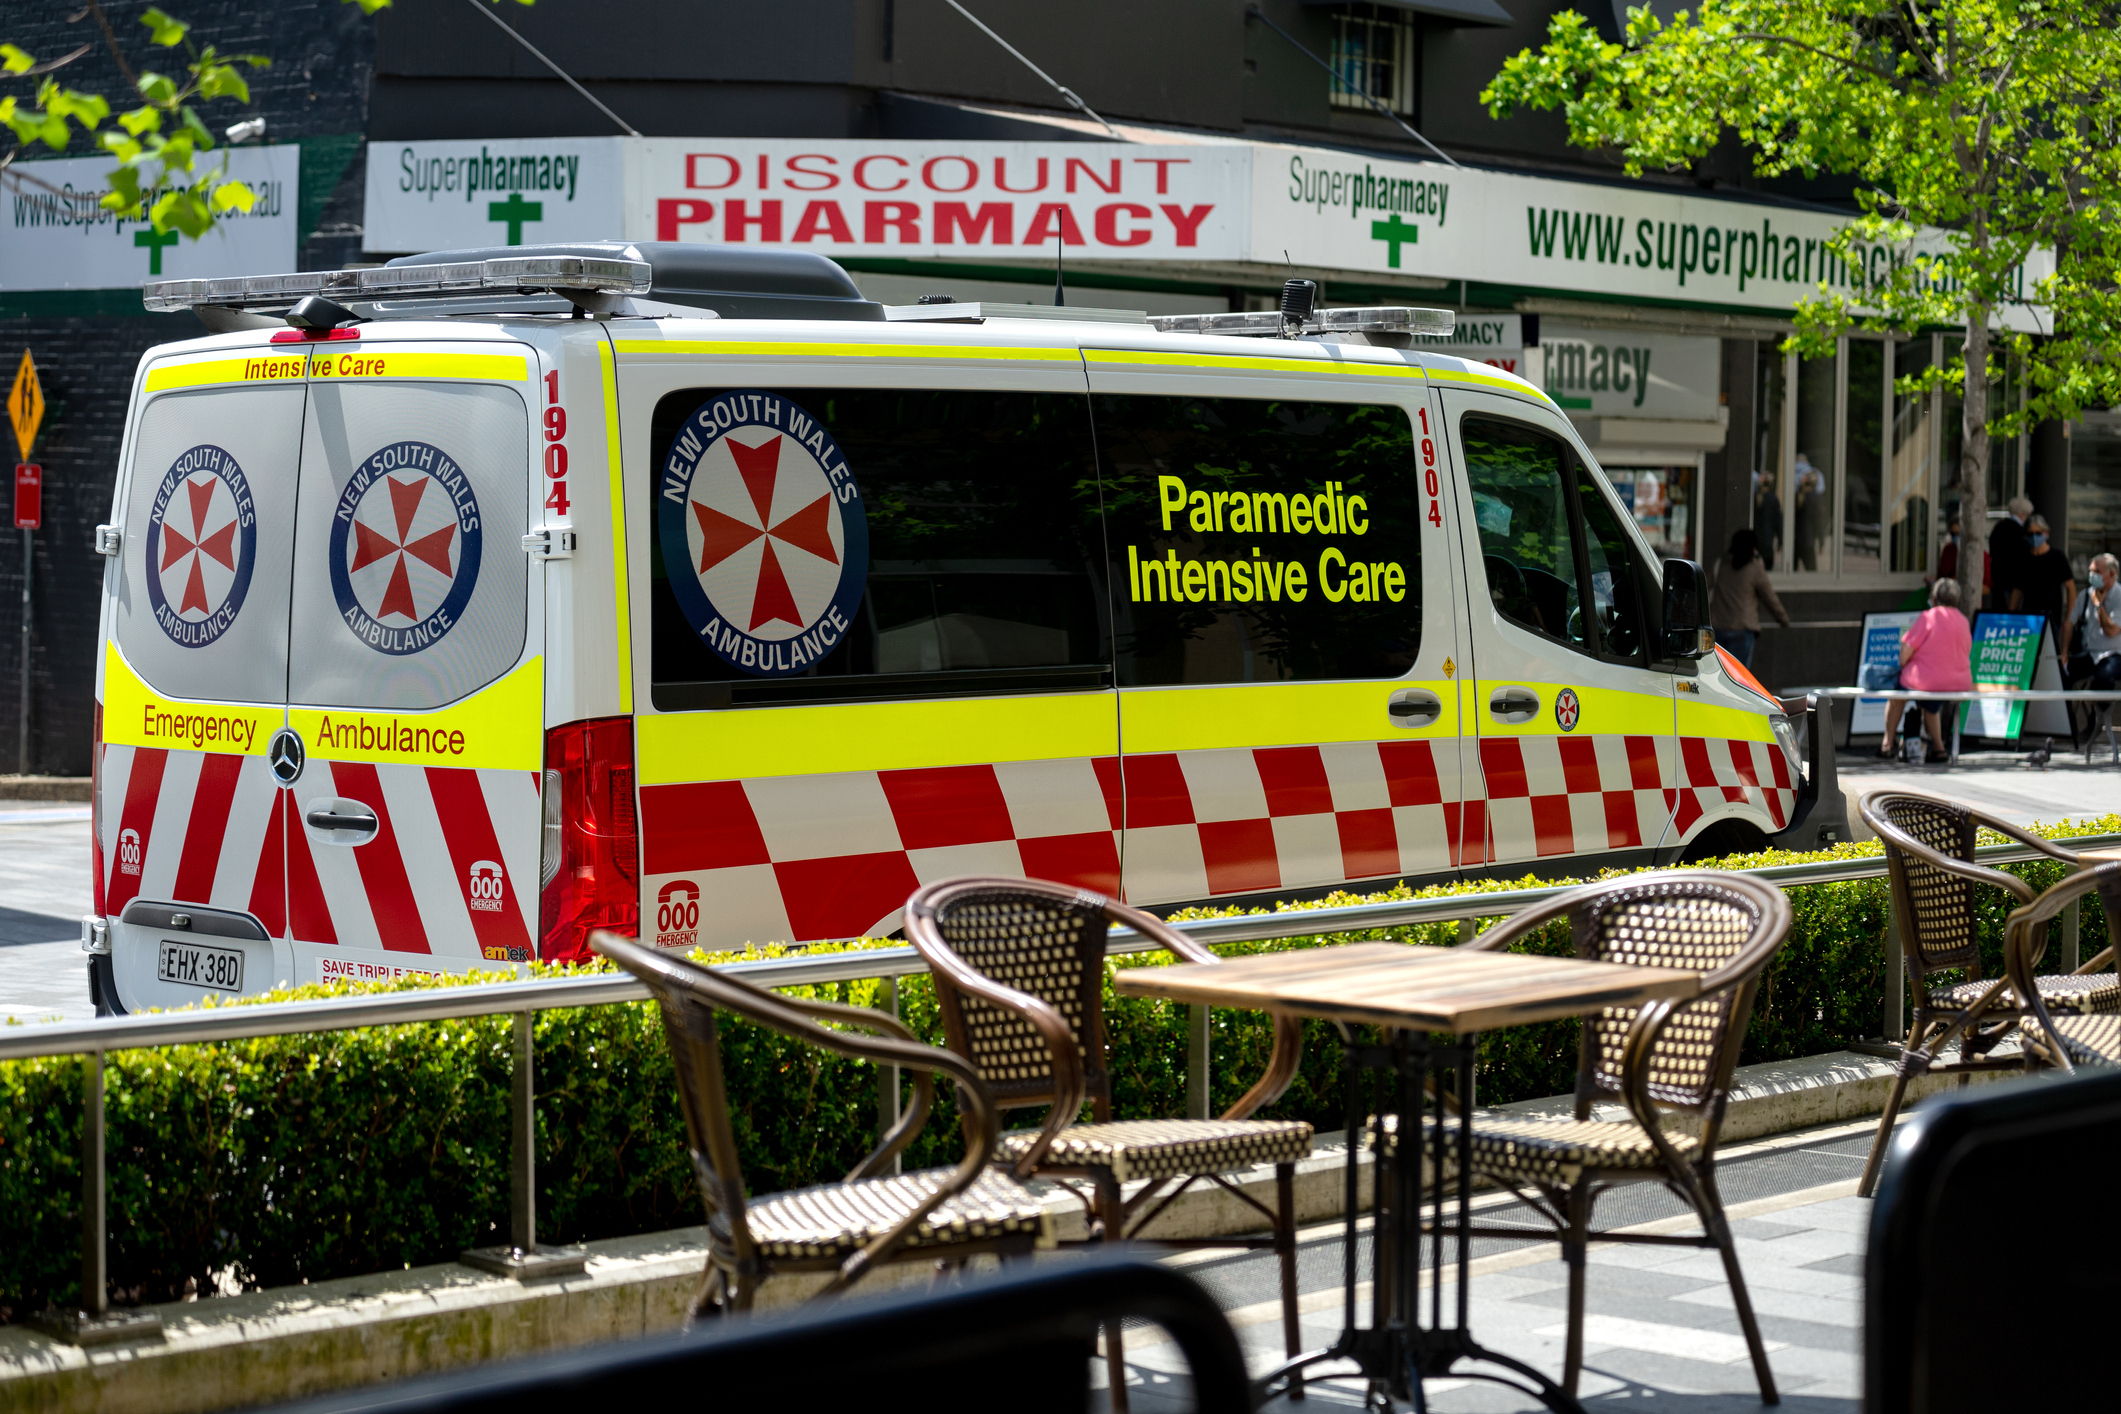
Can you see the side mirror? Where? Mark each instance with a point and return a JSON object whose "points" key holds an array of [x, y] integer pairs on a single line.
{"points": [[1687, 633]]}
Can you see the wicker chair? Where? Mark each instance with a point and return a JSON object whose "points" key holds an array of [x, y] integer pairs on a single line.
{"points": [[1661, 1060], [1929, 858], [2064, 1040], [1019, 972], [845, 1228]]}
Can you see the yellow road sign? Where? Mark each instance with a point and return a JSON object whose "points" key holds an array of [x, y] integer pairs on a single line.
{"points": [[25, 404]]}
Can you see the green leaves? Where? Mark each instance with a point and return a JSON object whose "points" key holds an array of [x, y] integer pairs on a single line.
{"points": [[13, 60], [163, 30]]}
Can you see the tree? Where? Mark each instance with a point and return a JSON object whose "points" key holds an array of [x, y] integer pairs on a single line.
{"points": [[1996, 123], [168, 171]]}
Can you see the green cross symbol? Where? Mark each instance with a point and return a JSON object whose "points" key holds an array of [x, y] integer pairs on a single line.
{"points": [[1396, 233], [153, 242], [515, 211]]}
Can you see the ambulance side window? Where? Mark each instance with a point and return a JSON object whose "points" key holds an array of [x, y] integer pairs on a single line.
{"points": [[1620, 583], [834, 544], [1260, 541], [1519, 479]]}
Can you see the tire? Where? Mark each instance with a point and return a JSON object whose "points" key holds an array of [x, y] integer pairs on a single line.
{"points": [[1725, 837], [103, 987]]}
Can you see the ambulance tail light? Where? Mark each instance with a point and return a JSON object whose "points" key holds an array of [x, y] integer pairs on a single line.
{"points": [[588, 868], [95, 808]]}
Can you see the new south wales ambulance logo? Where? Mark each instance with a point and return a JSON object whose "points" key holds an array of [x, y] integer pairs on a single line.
{"points": [[763, 533], [404, 551], [202, 542]]}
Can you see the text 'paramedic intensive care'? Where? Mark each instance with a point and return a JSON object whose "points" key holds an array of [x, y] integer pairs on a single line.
{"points": [[1171, 578]]}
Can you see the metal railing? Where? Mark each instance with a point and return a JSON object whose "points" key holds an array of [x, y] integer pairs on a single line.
{"points": [[96, 1039]]}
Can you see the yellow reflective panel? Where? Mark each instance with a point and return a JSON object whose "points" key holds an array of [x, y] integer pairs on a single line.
{"points": [[1120, 358], [337, 361], [865, 350], [619, 583], [1601, 711], [272, 367], [873, 736], [134, 714], [499, 727], [1709, 719], [1488, 380], [1273, 714]]}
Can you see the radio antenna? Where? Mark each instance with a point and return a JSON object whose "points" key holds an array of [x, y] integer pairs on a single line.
{"points": [[1060, 296], [1068, 95]]}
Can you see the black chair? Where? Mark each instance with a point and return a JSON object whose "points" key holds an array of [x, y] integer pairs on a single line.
{"points": [[1021, 1341], [1979, 1179]]}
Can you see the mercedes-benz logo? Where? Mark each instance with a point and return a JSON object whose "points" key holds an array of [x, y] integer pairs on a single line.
{"points": [[284, 756]]}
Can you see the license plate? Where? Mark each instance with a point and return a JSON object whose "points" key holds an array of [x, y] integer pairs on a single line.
{"points": [[197, 966]]}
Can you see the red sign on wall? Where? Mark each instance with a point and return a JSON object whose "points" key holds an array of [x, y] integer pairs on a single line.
{"points": [[29, 496]]}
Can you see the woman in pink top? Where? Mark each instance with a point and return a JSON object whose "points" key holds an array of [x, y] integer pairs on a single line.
{"points": [[1936, 655]]}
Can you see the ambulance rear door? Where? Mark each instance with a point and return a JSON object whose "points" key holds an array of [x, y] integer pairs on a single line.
{"points": [[1283, 601], [194, 678], [414, 679], [1572, 709]]}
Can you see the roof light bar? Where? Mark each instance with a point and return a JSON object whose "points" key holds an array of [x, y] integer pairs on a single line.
{"points": [[1270, 323], [514, 274]]}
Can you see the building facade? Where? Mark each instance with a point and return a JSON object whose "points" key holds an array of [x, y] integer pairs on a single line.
{"points": [[1222, 147]]}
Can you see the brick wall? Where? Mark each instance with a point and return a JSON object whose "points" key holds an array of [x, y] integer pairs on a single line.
{"points": [[88, 345]]}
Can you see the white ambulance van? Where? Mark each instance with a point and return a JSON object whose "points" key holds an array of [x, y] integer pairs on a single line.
{"points": [[458, 607]]}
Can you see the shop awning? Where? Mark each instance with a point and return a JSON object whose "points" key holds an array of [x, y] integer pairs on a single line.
{"points": [[1464, 12]]}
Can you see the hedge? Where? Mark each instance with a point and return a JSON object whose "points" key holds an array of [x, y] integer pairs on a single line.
{"points": [[286, 1159]]}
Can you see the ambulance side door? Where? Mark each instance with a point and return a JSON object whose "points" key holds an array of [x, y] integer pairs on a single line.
{"points": [[414, 676], [1284, 633], [874, 626], [194, 677], [1573, 715]]}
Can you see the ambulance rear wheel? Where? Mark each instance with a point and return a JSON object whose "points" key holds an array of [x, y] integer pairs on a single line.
{"points": [[1725, 837]]}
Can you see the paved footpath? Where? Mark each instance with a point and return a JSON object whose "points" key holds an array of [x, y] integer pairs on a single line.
{"points": [[1658, 1320], [44, 890]]}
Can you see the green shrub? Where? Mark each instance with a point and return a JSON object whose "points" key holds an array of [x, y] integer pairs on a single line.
{"points": [[283, 1159]]}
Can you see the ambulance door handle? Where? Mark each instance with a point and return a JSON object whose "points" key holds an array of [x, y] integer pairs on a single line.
{"points": [[1513, 705], [342, 821], [1411, 707]]}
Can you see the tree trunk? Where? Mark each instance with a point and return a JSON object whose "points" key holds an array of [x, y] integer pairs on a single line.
{"points": [[1973, 463]]}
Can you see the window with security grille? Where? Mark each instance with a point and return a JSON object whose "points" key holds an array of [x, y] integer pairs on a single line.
{"points": [[1374, 57]]}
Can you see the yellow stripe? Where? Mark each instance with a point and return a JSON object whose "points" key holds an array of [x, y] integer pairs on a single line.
{"points": [[275, 367], [1709, 719], [875, 350], [499, 727], [1602, 711], [1271, 714], [873, 736], [134, 714], [1235, 361], [1486, 380], [619, 581], [337, 363]]}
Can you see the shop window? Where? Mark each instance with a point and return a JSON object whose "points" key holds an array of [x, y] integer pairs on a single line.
{"points": [[1811, 471], [985, 553], [1374, 57], [1862, 459], [1661, 500], [1772, 456], [1909, 475], [1258, 541], [2094, 488]]}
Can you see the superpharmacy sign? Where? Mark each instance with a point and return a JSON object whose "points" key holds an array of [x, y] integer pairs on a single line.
{"points": [[59, 237], [1211, 208]]}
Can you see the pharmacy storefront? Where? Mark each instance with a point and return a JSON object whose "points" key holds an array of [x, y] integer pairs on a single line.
{"points": [[1624, 301]]}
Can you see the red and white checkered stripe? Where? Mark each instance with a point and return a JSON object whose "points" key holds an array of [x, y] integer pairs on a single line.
{"points": [[1555, 795], [215, 830], [1721, 773]]}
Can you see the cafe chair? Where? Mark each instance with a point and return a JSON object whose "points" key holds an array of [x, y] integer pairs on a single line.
{"points": [[1019, 968], [1929, 860], [1668, 1062], [2064, 1040], [867, 1219]]}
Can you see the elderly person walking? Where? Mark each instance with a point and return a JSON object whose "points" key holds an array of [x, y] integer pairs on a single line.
{"points": [[1738, 591], [1936, 655]]}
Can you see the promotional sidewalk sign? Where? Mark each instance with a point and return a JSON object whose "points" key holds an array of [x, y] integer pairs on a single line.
{"points": [[2007, 650], [1877, 665]]}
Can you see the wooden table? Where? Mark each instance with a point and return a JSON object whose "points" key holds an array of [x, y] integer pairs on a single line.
{"points": [[1431, 1002]]}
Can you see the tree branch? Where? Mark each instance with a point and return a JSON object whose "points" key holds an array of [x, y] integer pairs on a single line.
{"points": [[110, 38], [1871, 69]]}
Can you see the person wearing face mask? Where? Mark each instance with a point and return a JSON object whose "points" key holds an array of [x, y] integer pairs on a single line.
{"points": [[2050, 584], [2091, 639]]}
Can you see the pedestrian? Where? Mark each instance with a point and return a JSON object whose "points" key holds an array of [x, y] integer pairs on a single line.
{"points": [[1738, 590], [2050, 584], [1767, 520], [1936, 655], [2091, 641], [1947, 556], [2008, 550], [1810, 494]]}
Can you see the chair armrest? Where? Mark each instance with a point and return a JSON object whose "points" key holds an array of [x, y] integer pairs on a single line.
{"points": [[2022, 836]]}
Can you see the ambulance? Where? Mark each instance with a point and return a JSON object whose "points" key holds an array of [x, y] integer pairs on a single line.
{"points": [[455, 608]]}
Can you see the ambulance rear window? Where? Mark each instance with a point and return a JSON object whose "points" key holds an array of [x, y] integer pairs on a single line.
{"points": [[816, 545], [1261, 541]]}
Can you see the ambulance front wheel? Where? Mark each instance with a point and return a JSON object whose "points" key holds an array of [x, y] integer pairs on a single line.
{"points": [[1725, 837]]}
